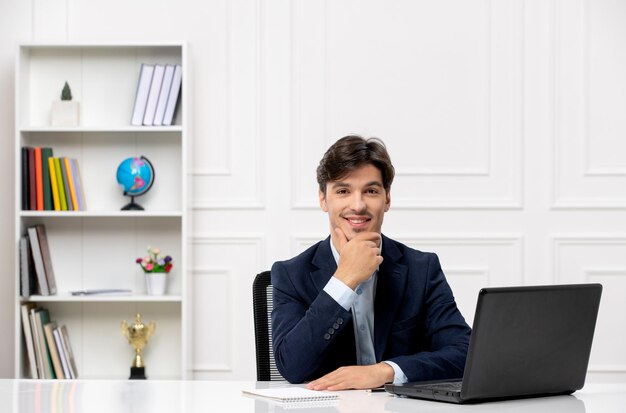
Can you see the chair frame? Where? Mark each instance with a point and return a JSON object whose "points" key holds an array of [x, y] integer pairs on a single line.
{"points": [[262, 300]]}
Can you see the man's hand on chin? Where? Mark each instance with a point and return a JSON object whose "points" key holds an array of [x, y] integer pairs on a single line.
{"points": [[354, 377]]}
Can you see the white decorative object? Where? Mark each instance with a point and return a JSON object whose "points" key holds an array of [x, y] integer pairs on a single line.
{"points": [[156, 283], [65, 113]]}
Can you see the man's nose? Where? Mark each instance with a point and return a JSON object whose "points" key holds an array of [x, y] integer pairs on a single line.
{"points": [[357, 203]]}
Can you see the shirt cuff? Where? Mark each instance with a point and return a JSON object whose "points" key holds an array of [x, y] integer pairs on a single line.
{"points": [[398, 375], [341, 293]]}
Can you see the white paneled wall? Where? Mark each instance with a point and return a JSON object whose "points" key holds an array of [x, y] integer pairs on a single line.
{"points": [[505, 120]]}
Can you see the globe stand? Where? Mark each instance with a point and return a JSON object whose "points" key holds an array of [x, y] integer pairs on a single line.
{"points": [[132, 205]]}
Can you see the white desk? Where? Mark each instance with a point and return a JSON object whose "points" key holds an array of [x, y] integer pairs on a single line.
{"points": [[225, 396]]}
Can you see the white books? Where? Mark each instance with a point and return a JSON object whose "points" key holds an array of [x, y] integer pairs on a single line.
{"points": [[292, 394], [36, 342], [141, 97], [165, 92], [28, 338], [153, 96], [67, 349], [64, 358], [173, 96]]}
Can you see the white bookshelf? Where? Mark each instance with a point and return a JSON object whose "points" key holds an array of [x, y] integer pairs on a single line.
{"points": [[97, 248]]}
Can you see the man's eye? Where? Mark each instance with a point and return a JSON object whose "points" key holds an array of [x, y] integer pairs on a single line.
{"points": [[342, 191], [372, 191]]}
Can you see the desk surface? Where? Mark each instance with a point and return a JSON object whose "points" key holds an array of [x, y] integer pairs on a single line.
{"points": [[225, 396]]}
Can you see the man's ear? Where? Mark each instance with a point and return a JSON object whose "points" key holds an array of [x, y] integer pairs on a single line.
{"points": [[322, 198]]}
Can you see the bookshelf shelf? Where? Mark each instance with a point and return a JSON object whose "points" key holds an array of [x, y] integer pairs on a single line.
{"points": [[97, 247], [68, 298], [88, 129], [98, 214]]}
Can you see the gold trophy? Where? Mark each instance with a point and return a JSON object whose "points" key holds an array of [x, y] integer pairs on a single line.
{"points": [[138, 335]]}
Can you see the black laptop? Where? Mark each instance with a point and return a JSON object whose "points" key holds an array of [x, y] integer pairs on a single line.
{"points": [[526, 342]]}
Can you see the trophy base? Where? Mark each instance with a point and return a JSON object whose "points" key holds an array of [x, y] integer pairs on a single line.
{"points": [[137, 373]]}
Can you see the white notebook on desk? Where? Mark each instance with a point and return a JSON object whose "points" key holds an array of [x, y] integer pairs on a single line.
{"points": [[292, 394]]}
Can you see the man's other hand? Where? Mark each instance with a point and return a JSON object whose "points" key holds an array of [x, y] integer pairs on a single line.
{"points": [[354, 377]]}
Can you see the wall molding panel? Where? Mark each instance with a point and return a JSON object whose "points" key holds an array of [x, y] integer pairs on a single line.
{"points": [[589, 107], [598, 258], [490, 177], [222, 284]]}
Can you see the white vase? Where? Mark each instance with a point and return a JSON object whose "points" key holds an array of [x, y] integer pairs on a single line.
{"points": [[156, 283], [65, 113]]}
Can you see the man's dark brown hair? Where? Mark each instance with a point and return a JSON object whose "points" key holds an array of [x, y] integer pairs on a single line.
{"points": [[350, 153]]}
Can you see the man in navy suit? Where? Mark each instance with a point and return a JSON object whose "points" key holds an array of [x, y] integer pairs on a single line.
{"points": [[358, 309]]}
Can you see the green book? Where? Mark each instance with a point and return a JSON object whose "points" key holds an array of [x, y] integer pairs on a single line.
{"points": [[42, 318], [45, 172], [60, 185]]}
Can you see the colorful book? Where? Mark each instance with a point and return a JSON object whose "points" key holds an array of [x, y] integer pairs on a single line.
{"points": [[28, 284], [46, 153], [60, 185], [172, 99], [32, 195], [78, 185], [66, 184], [53, 185], [52, 347], [70, 181], [38, 179], [25, 187], [42, 317], [38, 261], [47, 259], [28, 338]]}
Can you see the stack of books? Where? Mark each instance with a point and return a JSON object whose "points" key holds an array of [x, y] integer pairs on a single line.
{"points": [[50, 354], [36, 272], [50, 184], [158, 91]]}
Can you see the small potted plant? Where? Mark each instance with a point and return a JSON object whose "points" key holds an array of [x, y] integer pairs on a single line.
{"points": [[155, 267], [65, 112]]}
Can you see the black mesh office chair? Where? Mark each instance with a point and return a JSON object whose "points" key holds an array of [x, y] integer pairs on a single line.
{"points": [[266, 369]]}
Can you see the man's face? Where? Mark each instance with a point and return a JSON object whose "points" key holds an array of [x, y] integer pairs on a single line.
{"points": [[357, 202]]}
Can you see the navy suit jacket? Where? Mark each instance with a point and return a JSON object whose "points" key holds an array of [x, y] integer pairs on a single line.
{"points": [[416, 321]]}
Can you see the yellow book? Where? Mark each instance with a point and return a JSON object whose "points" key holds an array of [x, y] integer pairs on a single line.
{"points": [[70, 182], [53, 184], [62, 199]]}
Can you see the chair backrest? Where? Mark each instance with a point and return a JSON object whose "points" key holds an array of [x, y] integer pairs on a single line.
{"points": [[262, 295]]}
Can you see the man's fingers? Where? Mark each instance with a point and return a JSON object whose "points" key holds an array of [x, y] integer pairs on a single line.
{"points": [[341, 239]]}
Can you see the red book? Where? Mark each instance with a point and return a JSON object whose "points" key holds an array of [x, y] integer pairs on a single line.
{"points": [[39, 179], [32, 198]]}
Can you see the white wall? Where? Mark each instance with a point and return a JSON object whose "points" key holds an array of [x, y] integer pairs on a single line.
{"points": [[505, 120]]}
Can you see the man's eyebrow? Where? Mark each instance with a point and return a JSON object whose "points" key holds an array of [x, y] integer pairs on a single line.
{"points": [[341, 184]]}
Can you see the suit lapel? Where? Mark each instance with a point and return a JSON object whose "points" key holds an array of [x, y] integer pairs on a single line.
{"points": [[389, 287], [325, 263]]}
